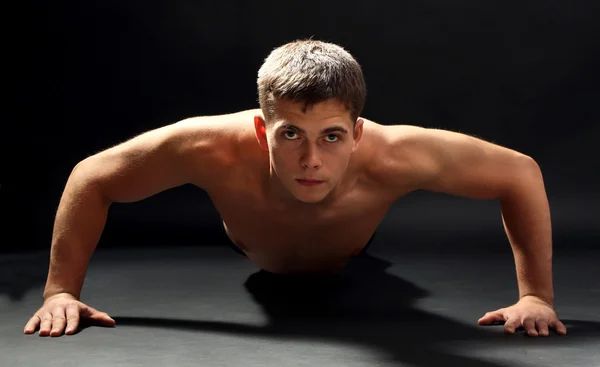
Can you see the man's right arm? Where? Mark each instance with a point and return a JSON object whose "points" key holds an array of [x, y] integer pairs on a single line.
{"points": [[152, 162]]}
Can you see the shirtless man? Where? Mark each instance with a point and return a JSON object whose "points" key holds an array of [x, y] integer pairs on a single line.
{"points": [[301, 185]]}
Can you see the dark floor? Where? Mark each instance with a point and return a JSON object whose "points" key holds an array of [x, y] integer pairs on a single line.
{"points": [[211, 307]]}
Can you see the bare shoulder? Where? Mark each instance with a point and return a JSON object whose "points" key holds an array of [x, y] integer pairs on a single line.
{"points": [[412, 158], [397, 161], [211, 144], [217, 130]]}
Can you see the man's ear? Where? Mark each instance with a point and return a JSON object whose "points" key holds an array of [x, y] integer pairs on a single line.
{"points": [[260, 129], [358, 130]]}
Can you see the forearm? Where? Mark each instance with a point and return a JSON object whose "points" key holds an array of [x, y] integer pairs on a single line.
{"points": [[527, 222], [79, 222]]}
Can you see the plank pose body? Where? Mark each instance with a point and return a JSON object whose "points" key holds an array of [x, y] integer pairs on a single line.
{"points": [[302, 184]]}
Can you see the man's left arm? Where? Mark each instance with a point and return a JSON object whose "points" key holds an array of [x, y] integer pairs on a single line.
{"points": [[458, 164]]}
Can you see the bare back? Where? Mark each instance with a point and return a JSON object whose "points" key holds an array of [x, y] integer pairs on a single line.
{"points": [[302, 238]]}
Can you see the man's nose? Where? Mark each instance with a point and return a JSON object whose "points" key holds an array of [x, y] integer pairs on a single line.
{"points": [[311, 157]]}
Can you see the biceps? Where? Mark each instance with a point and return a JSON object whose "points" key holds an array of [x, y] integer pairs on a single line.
{"points": [[468, 166]]}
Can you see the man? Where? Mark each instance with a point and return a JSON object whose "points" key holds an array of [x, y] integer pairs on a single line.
{"points": [[302, 184]]}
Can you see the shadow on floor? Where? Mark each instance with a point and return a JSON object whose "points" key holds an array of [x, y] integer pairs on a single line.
{"points": [[21, 273], [368, 307]]}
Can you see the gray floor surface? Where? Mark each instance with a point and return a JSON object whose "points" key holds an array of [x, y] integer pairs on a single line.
{"points": [[211, 307]]}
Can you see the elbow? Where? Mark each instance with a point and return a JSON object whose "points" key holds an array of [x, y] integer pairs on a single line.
{"points": [[529, 163], [527, 176]]}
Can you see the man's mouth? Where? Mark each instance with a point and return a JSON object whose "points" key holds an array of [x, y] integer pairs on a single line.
{"points": [[308, 182]]}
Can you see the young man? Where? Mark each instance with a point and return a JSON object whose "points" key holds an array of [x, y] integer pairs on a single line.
{"points": [[302, 184]]}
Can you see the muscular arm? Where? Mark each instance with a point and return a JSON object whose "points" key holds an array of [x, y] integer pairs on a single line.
{"points": [[458, 164], [136, 169]]}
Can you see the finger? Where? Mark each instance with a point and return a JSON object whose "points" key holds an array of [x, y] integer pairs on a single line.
{"points": [[58, 321], [46, 324], [95, 315], [72, 318], [32, 324], [511, 325], [560, 328], [529, 326], [491, 317], [542, 327]]}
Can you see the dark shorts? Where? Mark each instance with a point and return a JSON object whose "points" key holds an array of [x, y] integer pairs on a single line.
{"points": [[361, 253]]}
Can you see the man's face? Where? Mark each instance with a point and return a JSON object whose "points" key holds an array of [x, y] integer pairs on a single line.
{"points": [[315, 145]]}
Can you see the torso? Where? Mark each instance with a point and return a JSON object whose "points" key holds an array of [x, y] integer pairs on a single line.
{"points": [[303, 238]]}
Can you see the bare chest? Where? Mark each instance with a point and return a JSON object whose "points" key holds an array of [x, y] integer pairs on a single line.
{"points": [[300, 240]]}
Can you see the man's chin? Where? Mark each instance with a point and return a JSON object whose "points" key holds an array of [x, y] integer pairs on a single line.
{"points": [[310, 199], [309, 194]]}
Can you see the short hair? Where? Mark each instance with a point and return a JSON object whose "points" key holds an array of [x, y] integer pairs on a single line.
{"points": [[310, 72]]}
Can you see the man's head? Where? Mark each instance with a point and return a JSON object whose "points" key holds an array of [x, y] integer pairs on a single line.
{"points": [[311, 94], [309, 72]]}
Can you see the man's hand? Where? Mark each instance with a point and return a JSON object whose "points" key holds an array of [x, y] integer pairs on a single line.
{"points": [[533, 314], [62, 310]]}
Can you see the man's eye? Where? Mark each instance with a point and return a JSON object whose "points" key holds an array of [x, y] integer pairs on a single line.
{"points": [[334, 138], [286, 134]]}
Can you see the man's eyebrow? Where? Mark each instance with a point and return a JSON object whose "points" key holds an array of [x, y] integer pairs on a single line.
{"points": [[324, 131]]}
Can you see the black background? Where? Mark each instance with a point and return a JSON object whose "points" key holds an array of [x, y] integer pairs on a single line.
{"points": [[92, 74]]}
